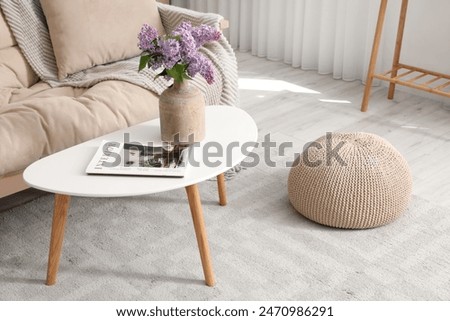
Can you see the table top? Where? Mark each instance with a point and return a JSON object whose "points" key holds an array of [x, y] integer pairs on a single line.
{"points": [[64, 172]]}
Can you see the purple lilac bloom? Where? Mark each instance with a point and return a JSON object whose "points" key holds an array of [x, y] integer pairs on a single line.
{"points": [[204, 33], [199, 63], [194, 65], [170, 51], [187, 42], [146, 37], [207, 71], [180, 47]]}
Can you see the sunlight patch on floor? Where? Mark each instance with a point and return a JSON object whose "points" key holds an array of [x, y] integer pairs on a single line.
{"points": [[414, 127], [273, 85], [335, 101]]}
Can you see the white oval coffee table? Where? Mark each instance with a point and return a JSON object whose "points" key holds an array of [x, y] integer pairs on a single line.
{"points": [[63, 174]]}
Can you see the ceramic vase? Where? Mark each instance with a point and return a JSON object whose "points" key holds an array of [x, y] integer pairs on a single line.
{"points": [[182, 114]]}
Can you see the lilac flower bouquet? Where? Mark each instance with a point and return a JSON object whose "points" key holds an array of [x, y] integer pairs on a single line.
{"points": [[178, 52]]}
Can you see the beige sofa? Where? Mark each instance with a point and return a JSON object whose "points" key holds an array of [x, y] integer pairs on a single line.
{"points": [[37, 120]]}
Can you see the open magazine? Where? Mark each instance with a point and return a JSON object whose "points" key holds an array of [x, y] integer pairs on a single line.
{"points": [[114, 158]]}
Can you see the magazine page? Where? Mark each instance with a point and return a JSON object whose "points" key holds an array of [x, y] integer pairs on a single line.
{"points": [[114, 158]]}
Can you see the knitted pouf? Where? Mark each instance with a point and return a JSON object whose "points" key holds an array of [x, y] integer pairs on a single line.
{"points": [[350, 180]]}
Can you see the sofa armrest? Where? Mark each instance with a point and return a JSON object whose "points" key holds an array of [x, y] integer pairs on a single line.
{"points": [[172, 16]]}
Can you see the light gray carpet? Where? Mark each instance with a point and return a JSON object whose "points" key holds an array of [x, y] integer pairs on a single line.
{"points": [[144, 248]]}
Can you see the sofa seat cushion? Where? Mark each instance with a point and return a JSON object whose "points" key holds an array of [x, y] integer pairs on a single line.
{"points": [[38, 121]]}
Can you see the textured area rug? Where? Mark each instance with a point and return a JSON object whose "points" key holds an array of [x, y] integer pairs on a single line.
{"points": [[144, 248]]}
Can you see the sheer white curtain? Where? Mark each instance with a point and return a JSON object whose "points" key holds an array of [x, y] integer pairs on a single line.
{"points": [[330, 36]]}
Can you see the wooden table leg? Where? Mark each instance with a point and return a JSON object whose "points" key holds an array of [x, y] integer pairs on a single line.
{"points": [[222, 189], [373, 57], [200, 232], [59, 221]]}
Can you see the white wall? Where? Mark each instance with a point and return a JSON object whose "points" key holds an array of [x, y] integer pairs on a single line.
{"points": [[427, 35]]}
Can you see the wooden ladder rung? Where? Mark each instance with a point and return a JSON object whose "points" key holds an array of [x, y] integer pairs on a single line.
{"points": [[417, 77], [442, 86], [404, 74], [432, 81]]}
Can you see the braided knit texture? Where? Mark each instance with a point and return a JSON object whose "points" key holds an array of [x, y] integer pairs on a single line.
{"points": [[366, 183]]}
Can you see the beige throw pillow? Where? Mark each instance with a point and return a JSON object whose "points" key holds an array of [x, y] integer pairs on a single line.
{"points": [[86, 33]]}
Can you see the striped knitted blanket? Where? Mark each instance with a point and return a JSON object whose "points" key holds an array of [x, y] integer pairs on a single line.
{"points": [[28, 24]]}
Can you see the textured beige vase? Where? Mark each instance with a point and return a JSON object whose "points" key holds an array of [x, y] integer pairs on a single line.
{"points": [[182, 114]]}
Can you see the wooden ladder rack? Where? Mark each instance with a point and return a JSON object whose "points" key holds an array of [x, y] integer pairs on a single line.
{"points": [[401, 74]]}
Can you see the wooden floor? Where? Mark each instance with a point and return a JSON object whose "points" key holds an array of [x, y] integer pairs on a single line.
{"points": [[300, 106]]}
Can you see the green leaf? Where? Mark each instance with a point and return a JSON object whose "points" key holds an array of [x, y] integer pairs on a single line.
{"points": [[178, 72], [143, 62]]}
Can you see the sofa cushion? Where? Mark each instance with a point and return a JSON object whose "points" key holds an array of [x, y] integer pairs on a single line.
{"points": [[40, 120], [15, 72], [6, 37], [85, 33]]}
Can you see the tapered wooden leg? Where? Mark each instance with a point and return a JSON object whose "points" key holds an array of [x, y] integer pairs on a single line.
{"points": [[200, 232], [59, 221], [373, 57], [398, 47], [222, 189]]}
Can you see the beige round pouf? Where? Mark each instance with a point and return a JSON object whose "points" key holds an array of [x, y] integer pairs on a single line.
{"points": [[350, 180]]}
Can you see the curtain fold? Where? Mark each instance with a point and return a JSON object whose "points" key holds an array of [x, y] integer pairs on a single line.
{"points": [[330, 36]]}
